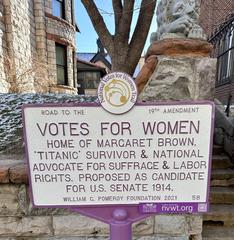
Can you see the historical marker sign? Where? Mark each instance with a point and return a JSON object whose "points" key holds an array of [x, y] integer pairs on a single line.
{"points": [[153, 154]]}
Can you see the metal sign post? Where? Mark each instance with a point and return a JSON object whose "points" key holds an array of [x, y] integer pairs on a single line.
{"points": [[120, 227], [120, 219], [120, 230]]}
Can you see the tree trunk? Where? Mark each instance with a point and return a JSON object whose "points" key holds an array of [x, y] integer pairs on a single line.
{"points": [[120, 62], [124, 52]]}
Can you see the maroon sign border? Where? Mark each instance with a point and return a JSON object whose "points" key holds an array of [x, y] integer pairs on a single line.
{"points": [[127, 206]]}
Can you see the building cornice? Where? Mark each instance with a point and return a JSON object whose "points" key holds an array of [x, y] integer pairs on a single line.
{"points": [[49, 15]]}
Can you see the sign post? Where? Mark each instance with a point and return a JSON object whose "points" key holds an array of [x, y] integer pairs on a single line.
{"points": [[120, 168], [120, 228]]}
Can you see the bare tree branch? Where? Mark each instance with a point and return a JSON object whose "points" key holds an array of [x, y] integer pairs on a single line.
{"points": [[98, 23], [142, 28], [143, 23], [126, 20], [118, 8], [37, 71]]}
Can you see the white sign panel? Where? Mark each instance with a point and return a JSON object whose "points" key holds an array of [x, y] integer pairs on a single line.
{"points": [[83, 155]]}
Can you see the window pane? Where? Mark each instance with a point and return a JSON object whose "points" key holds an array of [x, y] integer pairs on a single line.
{"points": [[219, 64], [72, 11], [96, 79], [61, 62], [80, 75], [58, 8], [81, 87], [80, 79], [61, 75], [232, 36], [224, 66], [228, 36], [60, 55], [231, 64], [91, 80]]}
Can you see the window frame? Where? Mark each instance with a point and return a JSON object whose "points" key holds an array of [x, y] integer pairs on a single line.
{"points": [[72, 12], [62, 9], [74, 68], [83, 81], [225, 56], [65, 67], [90, 81]]}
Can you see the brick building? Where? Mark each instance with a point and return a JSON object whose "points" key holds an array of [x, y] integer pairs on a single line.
{"points": [[217, 19], [214, 13], [37, 45]]}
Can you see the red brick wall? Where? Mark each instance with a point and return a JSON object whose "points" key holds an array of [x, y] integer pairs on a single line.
{"points": [[214, 12], [222, 92]]}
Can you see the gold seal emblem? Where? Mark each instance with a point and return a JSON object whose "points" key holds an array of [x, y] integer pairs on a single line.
{"points": [[117, 92]]}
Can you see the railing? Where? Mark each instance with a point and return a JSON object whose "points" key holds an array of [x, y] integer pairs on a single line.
{"points": [[227, 110]]}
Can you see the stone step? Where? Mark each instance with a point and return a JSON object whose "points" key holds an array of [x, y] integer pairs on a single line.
{"points": [[221, 161], [222, 195], [219, 215], [220, 174], [217, 149], [217, 233], [222, 177]]}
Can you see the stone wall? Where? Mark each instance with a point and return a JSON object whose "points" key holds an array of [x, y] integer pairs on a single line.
{"points": [[3, 83], [69, 5], [21, 59], [20, 221], [214, 13], [63, 32], [42, 75], [181, 78], [23, 43], [183, 71], [29, 31], [61, 29]]}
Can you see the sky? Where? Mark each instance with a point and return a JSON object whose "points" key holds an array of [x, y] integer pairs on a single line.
{"points": [[86, 39]]}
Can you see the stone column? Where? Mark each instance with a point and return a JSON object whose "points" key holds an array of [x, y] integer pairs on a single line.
{"points": [[4, 86], [178, 67], [19, 23], [40, 29], [184, 71], [10, 60]]}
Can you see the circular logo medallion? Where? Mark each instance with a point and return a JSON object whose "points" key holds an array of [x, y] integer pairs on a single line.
{"points": [[117, 92]]}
